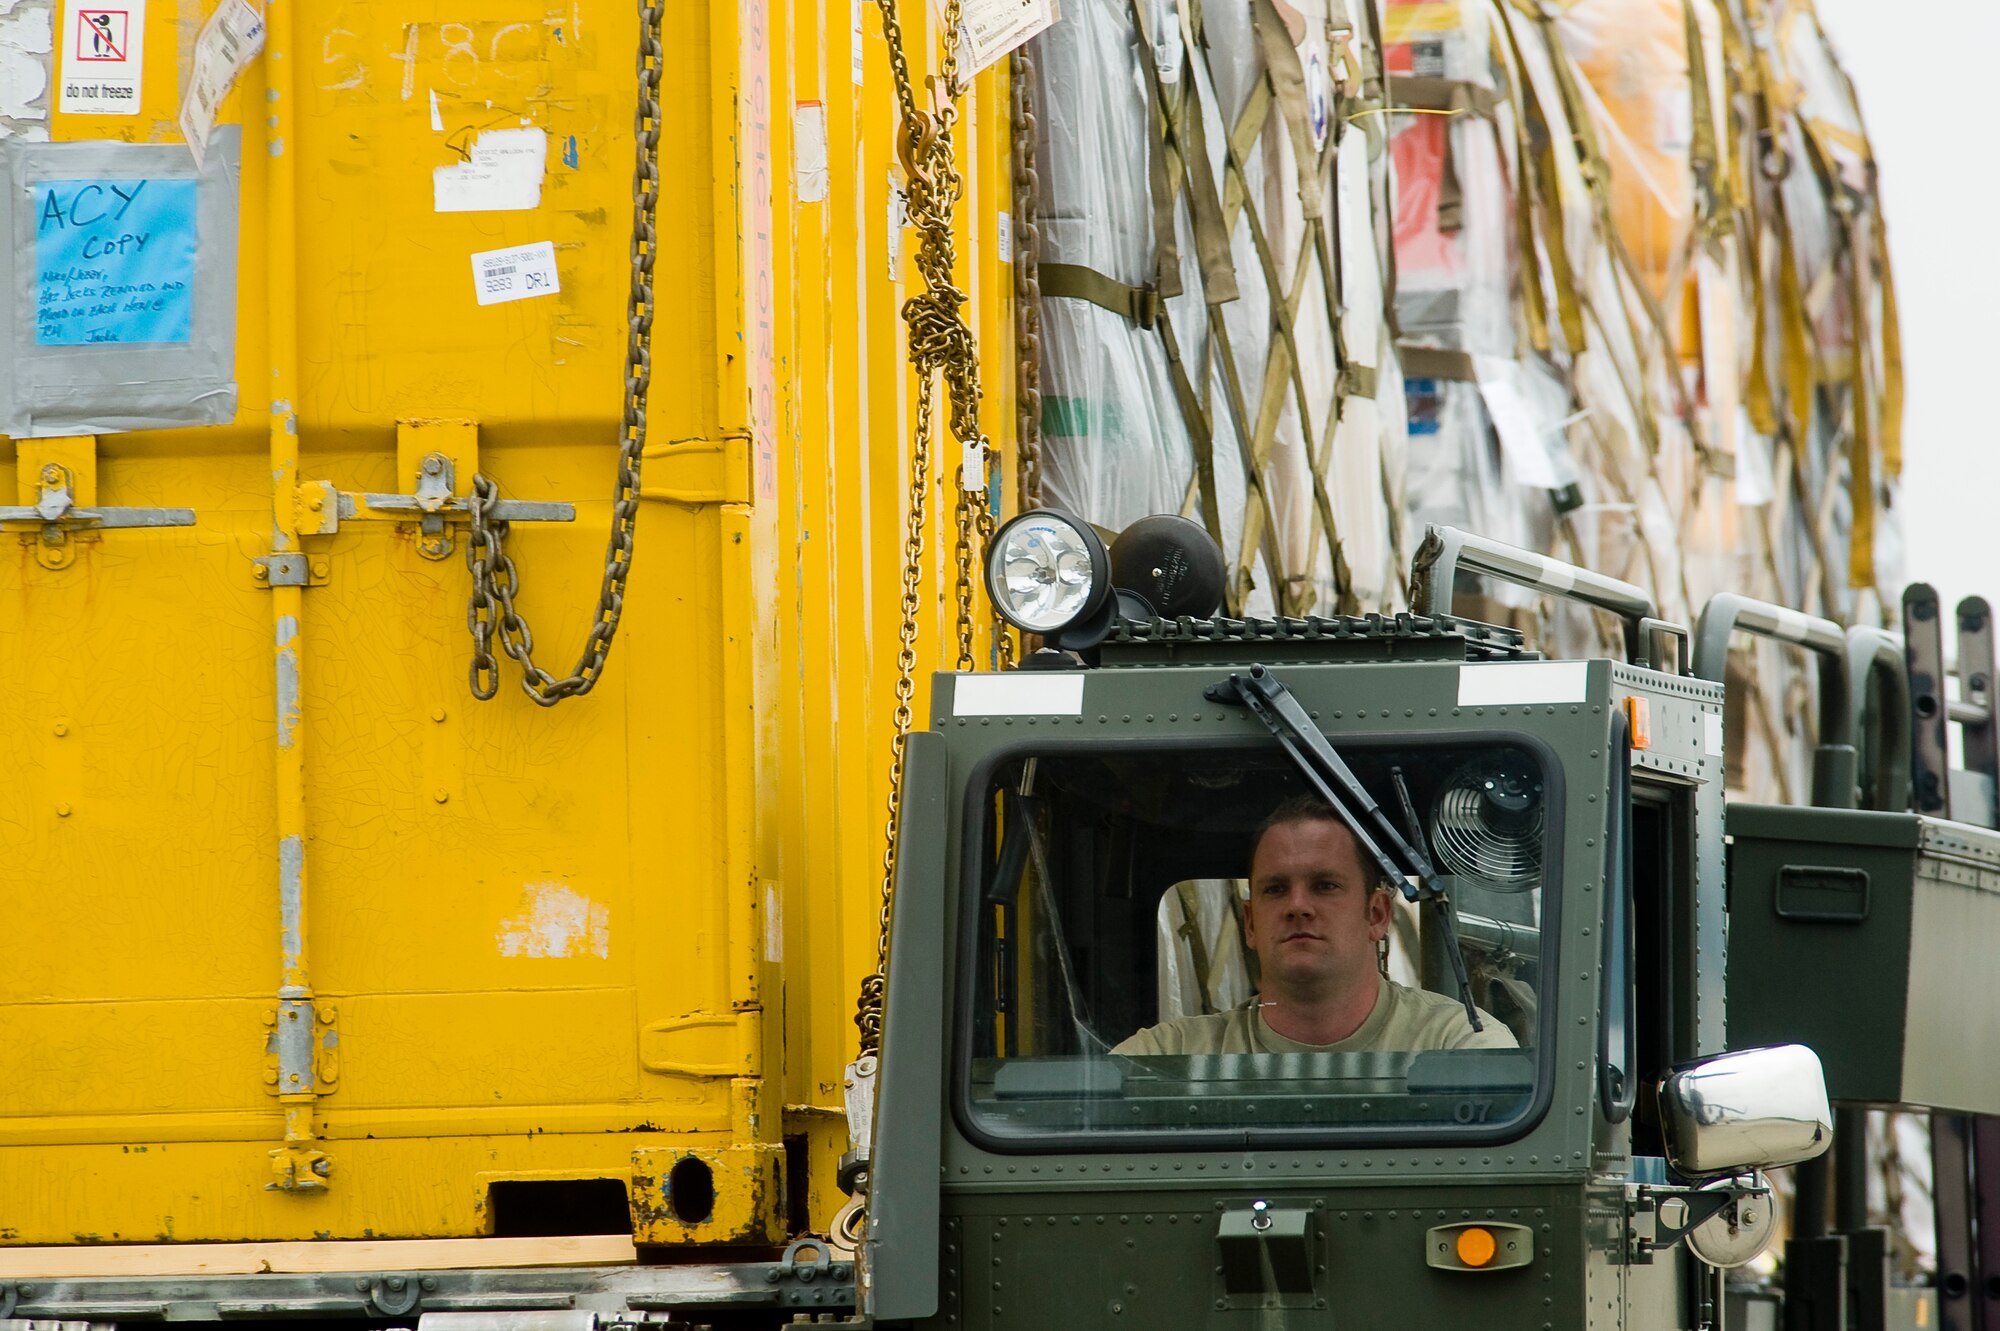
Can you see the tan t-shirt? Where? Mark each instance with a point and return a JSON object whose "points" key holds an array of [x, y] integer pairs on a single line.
{"points": [[1403, 1018]]}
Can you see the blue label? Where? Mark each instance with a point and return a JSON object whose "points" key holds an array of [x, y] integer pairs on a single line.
{"points": [[114, 261]]}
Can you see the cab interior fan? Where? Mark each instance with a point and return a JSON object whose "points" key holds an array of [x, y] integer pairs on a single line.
{"points": [[1487, 823]]}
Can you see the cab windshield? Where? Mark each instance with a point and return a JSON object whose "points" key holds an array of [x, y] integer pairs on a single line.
{"points": [[1189, 941]]}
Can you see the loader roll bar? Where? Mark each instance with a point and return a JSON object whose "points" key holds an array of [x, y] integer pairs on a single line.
{"points": [[1856, 665], [1445, 550]]}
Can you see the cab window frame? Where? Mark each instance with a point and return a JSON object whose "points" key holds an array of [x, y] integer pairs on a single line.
{"points": [[967, 923]]}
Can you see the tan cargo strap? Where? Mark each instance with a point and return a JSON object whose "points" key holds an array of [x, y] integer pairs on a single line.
{"points": [[1711, 186], [1190, 930], [1892, 357], [1541, 189], [1358, 380], [1861, 418], [1288, 82], [1437, 363], [1407, 92], [1139, 304], [1178, 140]]}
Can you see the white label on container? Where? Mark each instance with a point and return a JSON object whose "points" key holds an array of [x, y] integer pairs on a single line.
{"points": [[1026, 693], [1005, 244], [809, 151], [519, 273], [1711, 734], [972, 466], [103, 56], [504, 174], [1526, 684], [229, 41]]}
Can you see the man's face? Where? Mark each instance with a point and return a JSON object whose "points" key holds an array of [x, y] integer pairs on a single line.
{"points": [[1314, 918]]}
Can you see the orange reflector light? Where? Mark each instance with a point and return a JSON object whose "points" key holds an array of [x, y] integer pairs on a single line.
{"points": [[1639, 711], [1476, 1246]]}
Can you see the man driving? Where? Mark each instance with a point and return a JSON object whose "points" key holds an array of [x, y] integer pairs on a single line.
{"points": [[1318, 913]]}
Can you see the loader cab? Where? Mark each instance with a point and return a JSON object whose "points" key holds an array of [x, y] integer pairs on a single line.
{"points": [[1075, 878]]}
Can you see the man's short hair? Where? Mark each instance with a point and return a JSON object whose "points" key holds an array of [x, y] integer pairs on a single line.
{"points": [[1313, 809]]}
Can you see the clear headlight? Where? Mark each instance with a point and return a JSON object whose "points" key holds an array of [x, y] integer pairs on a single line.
{"points": [[1046, 571]]}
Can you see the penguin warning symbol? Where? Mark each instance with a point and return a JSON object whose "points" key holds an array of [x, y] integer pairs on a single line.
{"points": [[104, 56]]}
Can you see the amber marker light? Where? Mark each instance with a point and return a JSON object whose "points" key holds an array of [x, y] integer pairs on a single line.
{"points": [[1493, 1245], [1476, 1246], [1640, 711]]}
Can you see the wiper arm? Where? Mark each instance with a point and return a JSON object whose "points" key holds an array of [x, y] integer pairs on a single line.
{"points": [[1399, 860]]}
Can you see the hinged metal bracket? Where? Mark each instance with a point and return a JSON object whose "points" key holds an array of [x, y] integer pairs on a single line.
{"points": [[440, 458], [57, 487], [1659, 1218], [301, 1048], [293, 570]]}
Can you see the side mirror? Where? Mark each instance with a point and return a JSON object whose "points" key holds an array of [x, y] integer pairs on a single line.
{"points": [[1753, 1109]]}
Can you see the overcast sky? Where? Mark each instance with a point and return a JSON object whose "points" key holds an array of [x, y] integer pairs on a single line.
{"points": [[1928, 105]]}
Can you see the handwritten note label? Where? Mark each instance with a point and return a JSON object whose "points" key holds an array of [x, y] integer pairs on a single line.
{"points": [[499, 276], [114, 261], [502, 173]]}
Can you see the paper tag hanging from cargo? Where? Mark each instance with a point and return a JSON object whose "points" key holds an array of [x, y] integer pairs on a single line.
{"points": [[989, 29], [229, 41]]}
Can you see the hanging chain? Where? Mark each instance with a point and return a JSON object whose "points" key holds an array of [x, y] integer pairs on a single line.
{"points": [[942, 345], [1027, 284], [495, 581], [868, 1014]]}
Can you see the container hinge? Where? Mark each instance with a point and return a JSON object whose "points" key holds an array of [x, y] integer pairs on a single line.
{"points": [[301, 1047], [859, 1094]]}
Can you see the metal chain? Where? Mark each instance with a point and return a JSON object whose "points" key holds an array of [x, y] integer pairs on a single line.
{"points": [[1027, 283], [495, 581], [941, 345], [868, 1012]]}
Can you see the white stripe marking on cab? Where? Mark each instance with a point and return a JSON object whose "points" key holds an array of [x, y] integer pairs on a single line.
{"points": [[1526, 683]]}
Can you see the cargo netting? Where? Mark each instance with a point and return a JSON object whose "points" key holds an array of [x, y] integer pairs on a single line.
{"points": [[1606, 279]]}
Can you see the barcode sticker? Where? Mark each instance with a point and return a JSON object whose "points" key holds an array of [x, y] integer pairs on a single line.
{"points": [[515, 274], [229, 41]]}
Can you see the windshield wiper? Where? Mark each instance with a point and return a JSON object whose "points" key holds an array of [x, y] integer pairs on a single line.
{"points": [[1399, 860]]}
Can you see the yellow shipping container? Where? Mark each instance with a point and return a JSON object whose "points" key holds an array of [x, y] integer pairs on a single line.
{"points": [[527, 945]]}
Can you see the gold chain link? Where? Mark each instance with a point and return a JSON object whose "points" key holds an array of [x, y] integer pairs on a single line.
{"points": [[942, 344]]}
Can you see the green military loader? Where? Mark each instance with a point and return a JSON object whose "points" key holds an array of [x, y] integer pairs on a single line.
{"points": [[1358, 972]]}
